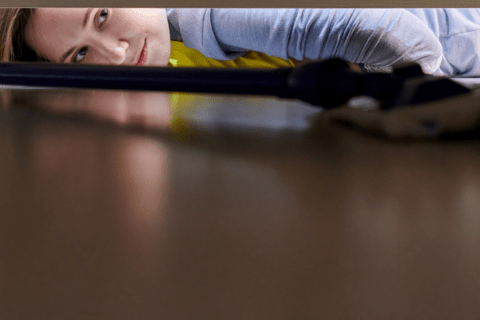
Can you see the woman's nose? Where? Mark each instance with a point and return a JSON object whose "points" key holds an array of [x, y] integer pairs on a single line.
{"points": [[113, 52]]}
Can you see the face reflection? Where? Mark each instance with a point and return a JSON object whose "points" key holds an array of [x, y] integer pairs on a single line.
{"points": [[113, 36]]}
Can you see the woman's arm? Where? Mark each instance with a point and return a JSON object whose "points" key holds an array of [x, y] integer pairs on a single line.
{"points": [[374, 37]]}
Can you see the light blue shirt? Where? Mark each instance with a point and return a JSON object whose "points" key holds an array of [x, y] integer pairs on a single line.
{"points": [[442, 41], [458, 31]]}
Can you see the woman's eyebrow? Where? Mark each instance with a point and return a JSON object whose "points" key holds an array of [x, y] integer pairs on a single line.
{"points": [[66, 54], [69, 52]]}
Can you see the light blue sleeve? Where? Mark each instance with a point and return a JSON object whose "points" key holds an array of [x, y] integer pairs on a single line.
{"points": [[458, 31], [375, 37]]}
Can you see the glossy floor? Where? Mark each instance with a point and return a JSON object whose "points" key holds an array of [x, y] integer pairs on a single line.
{"points": [[156, 206]]}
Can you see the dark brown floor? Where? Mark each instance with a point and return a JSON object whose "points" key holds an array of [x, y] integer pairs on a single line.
{"points": [[228, 208]]}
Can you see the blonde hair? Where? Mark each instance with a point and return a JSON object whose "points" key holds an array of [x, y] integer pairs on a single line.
{"points": [[13, 46]]}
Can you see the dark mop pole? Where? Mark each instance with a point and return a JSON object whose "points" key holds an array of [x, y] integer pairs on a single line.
{"points": [[327, 83]]}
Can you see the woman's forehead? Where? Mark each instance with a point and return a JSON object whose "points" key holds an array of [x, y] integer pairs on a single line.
{"points": [[50, 30], [53, 21], [58, 15]]}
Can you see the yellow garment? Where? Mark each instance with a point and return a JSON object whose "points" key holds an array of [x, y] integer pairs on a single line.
{"points": [[184, 104], [182, 56]]}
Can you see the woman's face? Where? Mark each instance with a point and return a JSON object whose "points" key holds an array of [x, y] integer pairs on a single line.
{"points": [[113, 36]]}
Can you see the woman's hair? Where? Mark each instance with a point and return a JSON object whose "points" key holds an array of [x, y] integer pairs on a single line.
{"points": [[13, 46]]}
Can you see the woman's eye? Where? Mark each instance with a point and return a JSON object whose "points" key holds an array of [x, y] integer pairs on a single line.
{"points": [[103, 15], [83, 51], [80, 54]]}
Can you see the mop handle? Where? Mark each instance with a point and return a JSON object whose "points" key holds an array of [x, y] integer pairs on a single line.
{"points": [[328, 83]]}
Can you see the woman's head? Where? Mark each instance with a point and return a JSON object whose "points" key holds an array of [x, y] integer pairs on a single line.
{"points": [[86, 35]]}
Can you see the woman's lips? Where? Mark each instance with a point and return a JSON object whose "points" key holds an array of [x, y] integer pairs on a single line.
{"points": [[143, 55]]}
